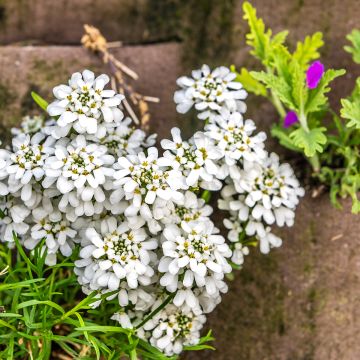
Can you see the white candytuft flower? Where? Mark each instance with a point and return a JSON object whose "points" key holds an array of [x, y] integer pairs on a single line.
{"points": [[194, 255], [116, 258], [143, 178], [55, 229], [13, 216], [234, 138], [173, 328], [124, 139], [195, 159], [266, 193], [81, 167], [85, 105], [271, 190], [210, 92], [29, 125], [26, 163], [169, 330], [189, 209]]}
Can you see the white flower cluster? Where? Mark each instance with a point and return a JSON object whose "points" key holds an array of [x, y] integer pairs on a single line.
{"points": [[52, 186], [210, 92], [259, 191], [87, 178]]}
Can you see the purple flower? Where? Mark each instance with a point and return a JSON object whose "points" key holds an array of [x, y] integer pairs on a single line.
{"points": [[290, 119], [314, 74]]}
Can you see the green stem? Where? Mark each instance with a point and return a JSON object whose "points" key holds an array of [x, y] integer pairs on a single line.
{"points": [[206, 195], [315, 163], [158, 309], [278, 105], [314, 160]]}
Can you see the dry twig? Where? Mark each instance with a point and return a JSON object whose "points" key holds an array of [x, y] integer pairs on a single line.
{"points": [[94, 41]]}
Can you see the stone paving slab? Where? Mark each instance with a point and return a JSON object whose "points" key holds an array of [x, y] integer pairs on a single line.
{"points": [[23, 69]]}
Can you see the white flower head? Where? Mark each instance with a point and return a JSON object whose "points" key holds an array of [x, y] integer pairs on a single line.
{"points": [[271, 191], [80, 166], [143, 178], [210, 92], [13, 218], [55, 229], [190, 208], [29, 125], [116, 258], [195, 252], [196, 159], [176, 328], [85, 105], [123, 139], [235, 138]]}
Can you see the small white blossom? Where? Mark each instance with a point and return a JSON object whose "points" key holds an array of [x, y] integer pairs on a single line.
{"points": [[234, 137], [210, 92], [82, 167], [173, 328], [271, 191], [142, 178], [195, 252], [195, 159], [84, 104], [27, 162], [29, 125], [116, 256], [190, 208], [13, 218], [55, 229]]}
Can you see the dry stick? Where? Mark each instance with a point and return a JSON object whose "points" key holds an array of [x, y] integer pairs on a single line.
{"points": [[94, 41]]}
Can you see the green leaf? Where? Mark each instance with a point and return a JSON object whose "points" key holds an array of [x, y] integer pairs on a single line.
{"points": [[308, 50], [39, 100], [284, 139], [311, 141], [278, 85], [10, 315], [4, 323], [258, 38], [280, 60], [99, 328], [316, 98], [299, 93], [354, 50], [279, 38], [40, 302], [20, 284], [351, 111], [249, 83]]}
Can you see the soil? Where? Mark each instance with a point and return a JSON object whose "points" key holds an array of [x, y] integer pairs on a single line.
{"points": [[300, 302]]}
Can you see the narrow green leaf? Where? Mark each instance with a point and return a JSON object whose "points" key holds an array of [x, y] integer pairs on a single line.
{"points": [[4, 323], [100, 328], [39, 100], [20, 284], [41, 302], [10, 315]]}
